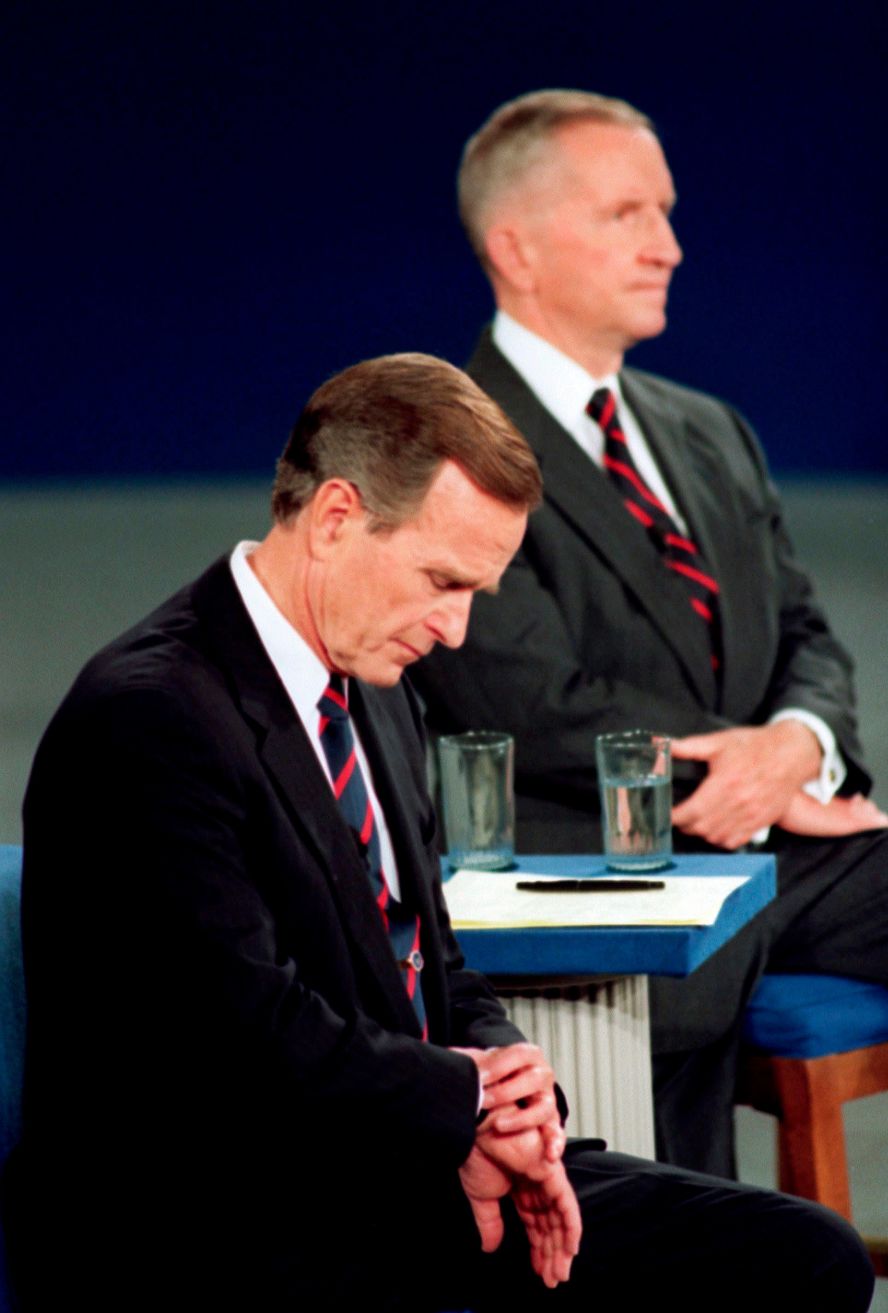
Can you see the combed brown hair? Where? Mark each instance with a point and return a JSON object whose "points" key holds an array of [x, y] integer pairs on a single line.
{"points": [[386, 425], [515, 139]]}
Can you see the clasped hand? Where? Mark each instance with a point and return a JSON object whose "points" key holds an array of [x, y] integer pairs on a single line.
{"points": [[517, 1152], [754, 780]]}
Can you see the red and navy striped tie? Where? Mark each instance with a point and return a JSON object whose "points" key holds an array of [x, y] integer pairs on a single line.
{"points": [[679, 553], [350, 789]]}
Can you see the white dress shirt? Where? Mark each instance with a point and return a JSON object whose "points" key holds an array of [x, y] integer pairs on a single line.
{"points": [[565, 388], [305, 677]]}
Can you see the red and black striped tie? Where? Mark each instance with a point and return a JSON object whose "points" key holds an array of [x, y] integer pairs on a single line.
{"points": [[679, 553], [350, 789]]}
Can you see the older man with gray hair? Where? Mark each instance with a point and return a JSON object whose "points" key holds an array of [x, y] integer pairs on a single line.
{"points": [[656, 587]]}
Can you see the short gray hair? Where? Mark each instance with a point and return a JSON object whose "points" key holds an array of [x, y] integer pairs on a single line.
{"points": [[514, 141]]}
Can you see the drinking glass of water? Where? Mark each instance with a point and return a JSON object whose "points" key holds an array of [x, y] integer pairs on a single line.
{"points": [[635, 781], [477, 793]]}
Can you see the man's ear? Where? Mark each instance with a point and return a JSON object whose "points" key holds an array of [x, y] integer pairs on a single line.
{"points": [[334, 511], [510, 255]]}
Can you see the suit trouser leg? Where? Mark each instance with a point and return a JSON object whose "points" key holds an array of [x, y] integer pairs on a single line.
{"points": [[832, 913], [695, 1038], [660, 1237], [830, 917]]}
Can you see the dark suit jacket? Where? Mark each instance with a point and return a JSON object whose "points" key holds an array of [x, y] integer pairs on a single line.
{"points": [[226, 1096], [589, 633]]}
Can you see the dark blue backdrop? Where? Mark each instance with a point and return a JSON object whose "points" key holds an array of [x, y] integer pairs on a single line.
{"points": [[213, 207]]}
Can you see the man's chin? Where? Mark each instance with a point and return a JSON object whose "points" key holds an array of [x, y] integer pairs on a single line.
{"points": [[381, 674], [383, 666], [652, 325], [389, 678]]}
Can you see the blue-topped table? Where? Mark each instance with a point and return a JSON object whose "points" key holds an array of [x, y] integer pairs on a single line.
{"points": [[581, 994], [630, 950]]}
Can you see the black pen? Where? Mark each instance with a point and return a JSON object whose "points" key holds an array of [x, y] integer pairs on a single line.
{"points": [[589, 886]]}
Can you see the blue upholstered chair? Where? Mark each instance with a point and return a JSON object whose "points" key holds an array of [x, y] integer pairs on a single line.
{"points": [[12, 1021], [813, 1043]]}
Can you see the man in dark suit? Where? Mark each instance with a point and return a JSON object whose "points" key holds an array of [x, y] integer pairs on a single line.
{"points": [[655, 588], [259, 1075]]}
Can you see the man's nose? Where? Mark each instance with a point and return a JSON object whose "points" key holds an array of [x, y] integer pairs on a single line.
{"points": [[662, 244], [451, 619]]}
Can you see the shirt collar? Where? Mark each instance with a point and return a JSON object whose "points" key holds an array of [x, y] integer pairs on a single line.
{"points": [[301, 671], [563, 386]]}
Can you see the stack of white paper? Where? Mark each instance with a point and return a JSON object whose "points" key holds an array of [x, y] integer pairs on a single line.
{"points": [[491, 900]]}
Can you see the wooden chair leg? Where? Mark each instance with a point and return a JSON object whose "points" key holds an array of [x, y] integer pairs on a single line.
{"points": [[877, 1247], [806, 1096], [811, 1136]]}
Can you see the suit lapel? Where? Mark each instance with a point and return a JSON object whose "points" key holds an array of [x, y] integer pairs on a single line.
{"points": [[684, 457], [288, 757], [587, 499]]}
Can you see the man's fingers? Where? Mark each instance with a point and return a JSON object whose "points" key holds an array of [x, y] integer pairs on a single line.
{"points": [[754, 773], [713, 824], [555, 1140], [696, 747], [511, 1076], [499, 1063], [525, 1090], [551, 1217], [521, 1154], [540, 1113], [838, 817], [489, 1221]]}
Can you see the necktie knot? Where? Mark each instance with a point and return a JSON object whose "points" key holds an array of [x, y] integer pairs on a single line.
{"points": [[333, 703], [602, 407]]}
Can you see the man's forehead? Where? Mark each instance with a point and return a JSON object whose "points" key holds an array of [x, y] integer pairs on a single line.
{"points": [[452, 487], [613, 155], [465, 533], [582, 156]]}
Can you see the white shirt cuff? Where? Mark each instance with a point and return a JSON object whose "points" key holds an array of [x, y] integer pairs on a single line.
{"points": [[833, 770]]}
